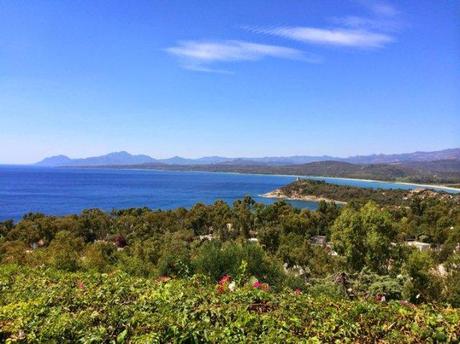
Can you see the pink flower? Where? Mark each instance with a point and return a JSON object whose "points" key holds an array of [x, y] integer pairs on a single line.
{"points": [[223, 283], [298, 291], [261, 286], [225, 279]]}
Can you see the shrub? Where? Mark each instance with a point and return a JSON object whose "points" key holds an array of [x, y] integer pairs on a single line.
{"points": [[64, 250], [216, 259], [99, 256], [52, 306]]}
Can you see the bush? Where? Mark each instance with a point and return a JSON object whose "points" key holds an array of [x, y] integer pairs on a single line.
{"points": [[99, 256], [52, 306], [421, 285], [175, 261], [216, 259], [64, 250], [14, 252]]}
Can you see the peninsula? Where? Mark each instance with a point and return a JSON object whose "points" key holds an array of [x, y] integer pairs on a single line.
{"points": [[315, 190]]}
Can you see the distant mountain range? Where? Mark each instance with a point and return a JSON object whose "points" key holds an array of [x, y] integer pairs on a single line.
{"points": [[124, 158], [118, 158]]}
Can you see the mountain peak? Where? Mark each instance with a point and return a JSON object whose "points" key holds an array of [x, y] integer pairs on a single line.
{"points": [[56, 160], [125, 158], [114, 158]]}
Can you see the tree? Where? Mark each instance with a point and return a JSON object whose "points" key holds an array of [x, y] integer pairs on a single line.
{"points": [[220, 215], [64, 250], [364, 237], [269, 238], [197, 219], [421, 284], [349, 238], [327, 213], [94, 225], [5, 227], [99, 256], [452, 282], [244, 216], [13, 252], [379, 235]]}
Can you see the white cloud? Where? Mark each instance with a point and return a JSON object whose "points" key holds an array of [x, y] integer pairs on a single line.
{"points": [[198, 55], [196, 67], [365, 23], [382, 17], [383, 9], [376, 30], [358, 38]]}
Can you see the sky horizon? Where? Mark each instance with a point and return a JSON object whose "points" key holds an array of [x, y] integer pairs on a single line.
{"points": [[222, 156], [170, 78]]}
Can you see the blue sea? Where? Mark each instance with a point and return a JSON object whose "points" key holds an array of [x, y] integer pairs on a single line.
{"points": [[61, 191]]}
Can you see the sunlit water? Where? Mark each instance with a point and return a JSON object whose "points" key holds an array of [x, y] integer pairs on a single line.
{"points": [[60, 191]]}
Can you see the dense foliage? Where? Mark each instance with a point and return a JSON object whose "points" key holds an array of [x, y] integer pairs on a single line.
{"points": [[47, 306], [265, 272], [345, 193]]}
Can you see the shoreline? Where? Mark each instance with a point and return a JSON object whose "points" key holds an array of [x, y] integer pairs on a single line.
{"points": [[276, 194], [427, 186], [415, 185]]}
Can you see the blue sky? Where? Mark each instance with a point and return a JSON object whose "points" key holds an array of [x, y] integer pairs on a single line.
{"points": [[232, 78]]}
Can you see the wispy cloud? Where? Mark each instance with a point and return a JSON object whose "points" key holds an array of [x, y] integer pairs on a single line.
{"points": [[200, 55], [372, 31], [382, 17], [380, 8], [366, 23], [197, 67], [338, 36]]}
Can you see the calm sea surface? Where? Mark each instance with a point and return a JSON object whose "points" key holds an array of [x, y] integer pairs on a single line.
{"points": [[60, 191]]}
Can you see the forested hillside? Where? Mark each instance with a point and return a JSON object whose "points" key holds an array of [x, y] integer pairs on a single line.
{"points": [[306, 188], [234, 273], [443, 172]]}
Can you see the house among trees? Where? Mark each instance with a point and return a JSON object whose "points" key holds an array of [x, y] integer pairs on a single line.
{"points": [[421, 246]]}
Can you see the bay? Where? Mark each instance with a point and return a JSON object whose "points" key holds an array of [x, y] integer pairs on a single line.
{"points": [[61, 191]]}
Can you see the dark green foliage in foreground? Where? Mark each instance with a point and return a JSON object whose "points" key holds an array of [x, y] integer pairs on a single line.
{"points": [[47, 306]]}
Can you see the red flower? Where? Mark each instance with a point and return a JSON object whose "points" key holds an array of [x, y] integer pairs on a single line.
{"points": [[80, 285], [298, 291], [257, 284], [223, 283], [261, 286], [225, 279]]}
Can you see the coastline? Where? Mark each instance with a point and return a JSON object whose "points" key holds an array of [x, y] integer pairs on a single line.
{"points": [[416, 185], [440, 187], [277, 194]]}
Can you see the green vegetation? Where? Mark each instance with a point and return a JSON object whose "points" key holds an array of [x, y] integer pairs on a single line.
{"points": [[49, 306], [430, 172], [240, 273], [343, 193]]}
